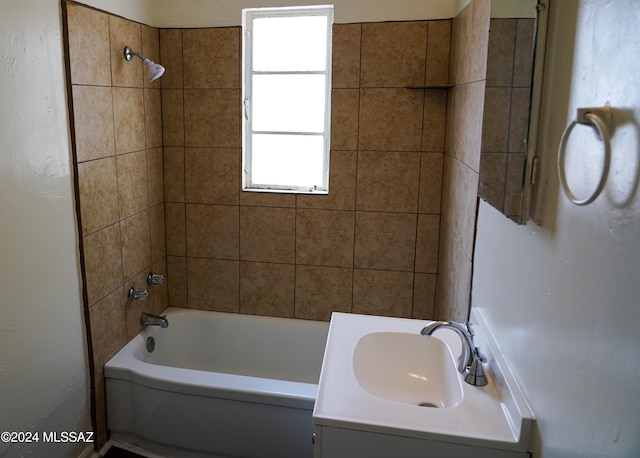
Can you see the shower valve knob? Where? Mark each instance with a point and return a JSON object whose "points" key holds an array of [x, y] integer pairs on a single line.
{"points": [[155, 279], [138, 294]]}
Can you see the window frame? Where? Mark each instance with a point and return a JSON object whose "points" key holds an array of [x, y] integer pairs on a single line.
{"points": [[248, 15]]}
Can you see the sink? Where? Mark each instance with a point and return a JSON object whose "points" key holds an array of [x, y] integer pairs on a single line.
{"points": [[377, 370], [407, 368]]}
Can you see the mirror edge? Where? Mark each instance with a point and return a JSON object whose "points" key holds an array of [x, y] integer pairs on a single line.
{"points": [[528, 205]]}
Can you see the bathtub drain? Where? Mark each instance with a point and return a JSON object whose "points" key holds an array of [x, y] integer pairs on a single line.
{"points": [[151, 344]]}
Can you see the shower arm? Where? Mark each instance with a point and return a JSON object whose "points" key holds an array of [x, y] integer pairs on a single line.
{"points": [[129, 53]]}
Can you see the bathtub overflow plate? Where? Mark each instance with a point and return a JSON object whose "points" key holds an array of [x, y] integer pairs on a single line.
{"points": [[151, 344]]}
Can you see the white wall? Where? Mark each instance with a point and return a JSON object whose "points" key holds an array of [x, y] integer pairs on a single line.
{"points": [[43, 362], [563, 299], [224, 13]]}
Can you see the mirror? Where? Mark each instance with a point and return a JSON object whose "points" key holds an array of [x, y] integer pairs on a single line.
{"points": [[510, 105]]}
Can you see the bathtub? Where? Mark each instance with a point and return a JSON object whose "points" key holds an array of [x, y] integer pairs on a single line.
{"points": [[217, 385]]}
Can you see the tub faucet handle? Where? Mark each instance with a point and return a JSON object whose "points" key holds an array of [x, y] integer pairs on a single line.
{"points": [[137, 294], [155, 279]]}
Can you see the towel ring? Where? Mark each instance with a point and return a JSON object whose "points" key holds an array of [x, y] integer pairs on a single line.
{"points": [[600, 118]]}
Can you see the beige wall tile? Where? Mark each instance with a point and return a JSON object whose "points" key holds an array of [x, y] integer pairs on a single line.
{"points": [[212, 176], [342, 184], [159, 292], [174, 177], [157, 228], [108, 326], [212, 231], [344, 119], [427, 244], [151, 50], [177, 281], [479, 39], [424, 295], [502, 39], [267, 234], [518, 120], [213, 284], [267, 199], [153, 117], [322, 290], [390, 120], [324, 237], [435, 116], [98, 185], [462, 36], [171, 58], [172, 117], [346, 55], [495, 123], [136, 244], [211, 57], [133, 188], [379, 292], [513, 189], [393, 54], [461, 291], [492, 179], [102, 262], [438, 50], [212, 118], [175, 227], [267, 289], [463, 200], [523, 53], [385, 240], [388, 181], [93, 122], [89, 51], [128, 112], [431, 170], [155, 176], [469, 107], [123, 32]]}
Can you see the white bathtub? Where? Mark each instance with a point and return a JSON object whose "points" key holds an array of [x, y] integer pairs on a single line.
{"points": [[218, 384]]}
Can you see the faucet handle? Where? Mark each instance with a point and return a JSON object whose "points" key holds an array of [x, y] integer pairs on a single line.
{"points": [[470, 328], [479, 356], [155, 279], [138, 294]]}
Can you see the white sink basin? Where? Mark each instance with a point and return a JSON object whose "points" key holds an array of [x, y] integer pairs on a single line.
{"points": [[377, 370], [407, 368]]}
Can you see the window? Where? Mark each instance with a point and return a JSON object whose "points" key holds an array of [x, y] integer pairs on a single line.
{"points": [[286, 95]]}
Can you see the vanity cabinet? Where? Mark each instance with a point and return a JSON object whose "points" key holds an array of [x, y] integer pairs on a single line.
{"points": [[332, 442]]}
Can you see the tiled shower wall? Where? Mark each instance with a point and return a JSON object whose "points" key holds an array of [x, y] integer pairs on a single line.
{"points": [[462, 162], [117, 133], [371, 245]]}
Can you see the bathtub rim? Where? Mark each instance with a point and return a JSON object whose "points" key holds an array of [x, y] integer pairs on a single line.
{"points": [[124, 365]]}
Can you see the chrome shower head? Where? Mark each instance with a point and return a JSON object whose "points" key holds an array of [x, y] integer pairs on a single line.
{"points": [[154, 70]]}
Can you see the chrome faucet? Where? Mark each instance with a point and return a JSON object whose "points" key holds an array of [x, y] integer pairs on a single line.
{"points": [[470, 361], [149, 319]]}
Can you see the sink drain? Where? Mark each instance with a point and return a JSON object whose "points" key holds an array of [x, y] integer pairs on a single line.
{"points": [[427, 404]]}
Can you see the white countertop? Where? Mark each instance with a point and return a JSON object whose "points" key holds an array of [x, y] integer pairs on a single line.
{"points": [[489, 416]]}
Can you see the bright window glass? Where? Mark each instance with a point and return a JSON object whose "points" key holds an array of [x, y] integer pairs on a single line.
{"points": [[286, 99]]}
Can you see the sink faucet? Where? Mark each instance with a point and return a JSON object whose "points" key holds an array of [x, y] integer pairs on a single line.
{"points": [[149, 319], [470, 361]]}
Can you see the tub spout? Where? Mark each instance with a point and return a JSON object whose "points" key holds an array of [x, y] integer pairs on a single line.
{"points": [[149, 319]]}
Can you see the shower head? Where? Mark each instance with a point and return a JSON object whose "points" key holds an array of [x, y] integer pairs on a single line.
{"points": [[155, 70]]}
